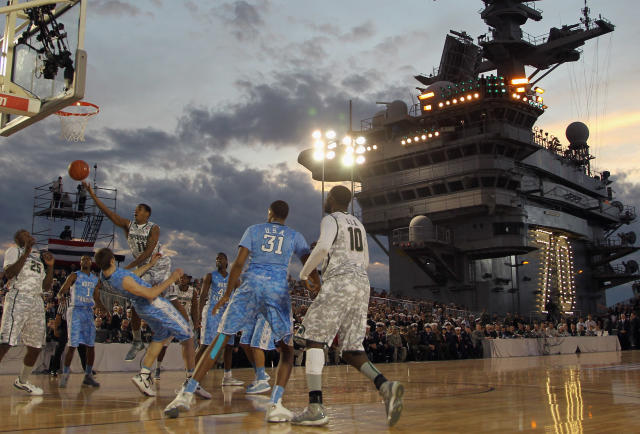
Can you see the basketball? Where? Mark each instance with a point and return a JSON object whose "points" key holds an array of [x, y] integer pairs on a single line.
{"points": [[79, 170]]}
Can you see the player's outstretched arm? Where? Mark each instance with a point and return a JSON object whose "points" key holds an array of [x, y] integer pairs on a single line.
{"points": [[195, 311], [152, 242], [17, 262], [141, 270], [71, 279], [150, 294], [115, 218], [49, 260], [234, 276], [204, 292]]}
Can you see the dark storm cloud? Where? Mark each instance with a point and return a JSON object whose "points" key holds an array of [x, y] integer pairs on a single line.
{"points": [[243, 19], [278, 114]]}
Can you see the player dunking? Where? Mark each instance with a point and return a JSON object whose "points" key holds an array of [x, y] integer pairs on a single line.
{"points": [[268, 248], [23, 315], [142, 238], [340, 308], [85, 292], [163, 319], [214, 285]]}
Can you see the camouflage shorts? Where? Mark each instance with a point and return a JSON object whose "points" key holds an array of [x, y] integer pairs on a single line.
{"points": [[341, 309]]}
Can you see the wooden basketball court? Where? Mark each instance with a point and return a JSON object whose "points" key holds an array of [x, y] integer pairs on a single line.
{"points": [[596, 392]]}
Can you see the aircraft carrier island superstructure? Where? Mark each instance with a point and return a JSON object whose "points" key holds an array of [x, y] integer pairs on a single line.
{"points": [[480, 206]]}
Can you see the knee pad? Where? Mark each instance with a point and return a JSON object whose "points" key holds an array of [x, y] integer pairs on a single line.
{"points": [[315, 361]]}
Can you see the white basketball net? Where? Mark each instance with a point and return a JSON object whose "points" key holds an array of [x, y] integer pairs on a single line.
{"points": [[74, 119]]}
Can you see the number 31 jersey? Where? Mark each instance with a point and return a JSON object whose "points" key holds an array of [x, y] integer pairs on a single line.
{"points": [[349, 252], [272, 245]]}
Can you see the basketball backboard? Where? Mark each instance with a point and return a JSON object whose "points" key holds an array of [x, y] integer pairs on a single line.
{"points": [[43, 64]]}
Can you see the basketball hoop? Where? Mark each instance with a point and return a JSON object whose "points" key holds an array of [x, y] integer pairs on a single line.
{"points": [[74, 119]]}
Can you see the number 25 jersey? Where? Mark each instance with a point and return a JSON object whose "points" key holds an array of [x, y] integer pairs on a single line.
{"points": [[29, 279]]}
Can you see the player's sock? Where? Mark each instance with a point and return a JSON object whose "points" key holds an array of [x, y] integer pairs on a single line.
{"points": [[260, 373], [277, 393], [137, 336], [191, 385], [88, 370], [158, 364], [189, 373], [66, 369], [313, 369], [24, 373], [145, 370], [373, 374], [227, 374]]}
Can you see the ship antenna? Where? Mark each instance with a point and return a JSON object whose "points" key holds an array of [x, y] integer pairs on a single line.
{"points": [[587, 19]]}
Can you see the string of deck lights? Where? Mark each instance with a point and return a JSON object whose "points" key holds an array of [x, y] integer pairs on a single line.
{"points": [[420, 136], [556, 259]]}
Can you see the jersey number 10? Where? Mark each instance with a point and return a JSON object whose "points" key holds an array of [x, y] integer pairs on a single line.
{"points": [[270, 244], [356, 239]]}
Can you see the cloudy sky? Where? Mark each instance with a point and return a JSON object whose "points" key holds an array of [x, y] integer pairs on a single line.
{"points": [[206, 105]]}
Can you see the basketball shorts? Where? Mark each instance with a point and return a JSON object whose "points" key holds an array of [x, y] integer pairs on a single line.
{"points": [[340, 308], [164, 320], [23, 320], [259, 294], [158, 274], [209, 325], [259, 336], [81, 328]]}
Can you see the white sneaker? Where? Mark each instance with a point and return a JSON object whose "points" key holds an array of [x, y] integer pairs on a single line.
{"points": [[230, 381], [144, 383], [203, 393], [28, 387], [278, 413], [182, 402]]}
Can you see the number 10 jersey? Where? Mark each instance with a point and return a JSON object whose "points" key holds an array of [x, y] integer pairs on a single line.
{"points": [[349, 252]]}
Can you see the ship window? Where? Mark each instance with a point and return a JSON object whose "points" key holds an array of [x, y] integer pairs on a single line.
{"points": [[454, 153], [408, 194], [424, 192], [408, 163], [499, 149], [393, 166], [469, 150], [471, 182], [486, 148], [513, 185], [511, 115], [487, 181], [423, 160], [437, 157], [439, 189], [502, 181], [393, 197], [455, 186], [514, 228], [378, 170], [380, 200]]}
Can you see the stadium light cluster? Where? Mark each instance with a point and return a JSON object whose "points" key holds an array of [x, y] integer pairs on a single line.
{"points": [[351, 150]]}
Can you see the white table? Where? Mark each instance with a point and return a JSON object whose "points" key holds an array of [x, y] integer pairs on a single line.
{"points": [[542, 346]]}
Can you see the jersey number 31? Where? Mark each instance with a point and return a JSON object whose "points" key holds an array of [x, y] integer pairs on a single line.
{"points": [[269, 244]]}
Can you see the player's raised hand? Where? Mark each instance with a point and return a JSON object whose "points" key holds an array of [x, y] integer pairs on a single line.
{"points": [[29, 242], [87, 186], [48, 259]]}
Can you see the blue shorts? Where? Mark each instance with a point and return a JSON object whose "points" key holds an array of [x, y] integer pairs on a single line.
{"points": [[259, 336], [209, 328], [164, 320], [258, 294], [81, 328]]}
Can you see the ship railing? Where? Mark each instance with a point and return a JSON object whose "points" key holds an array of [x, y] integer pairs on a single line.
{"points": [[409, 236], [400, 304], [527, 37], [366, 124]]}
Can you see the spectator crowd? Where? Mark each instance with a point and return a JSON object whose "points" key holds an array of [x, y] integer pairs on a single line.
{"points": [[398, 329]]}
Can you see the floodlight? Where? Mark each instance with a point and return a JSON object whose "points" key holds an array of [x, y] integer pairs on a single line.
{"points": [[317, 134], [361, 140]]}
